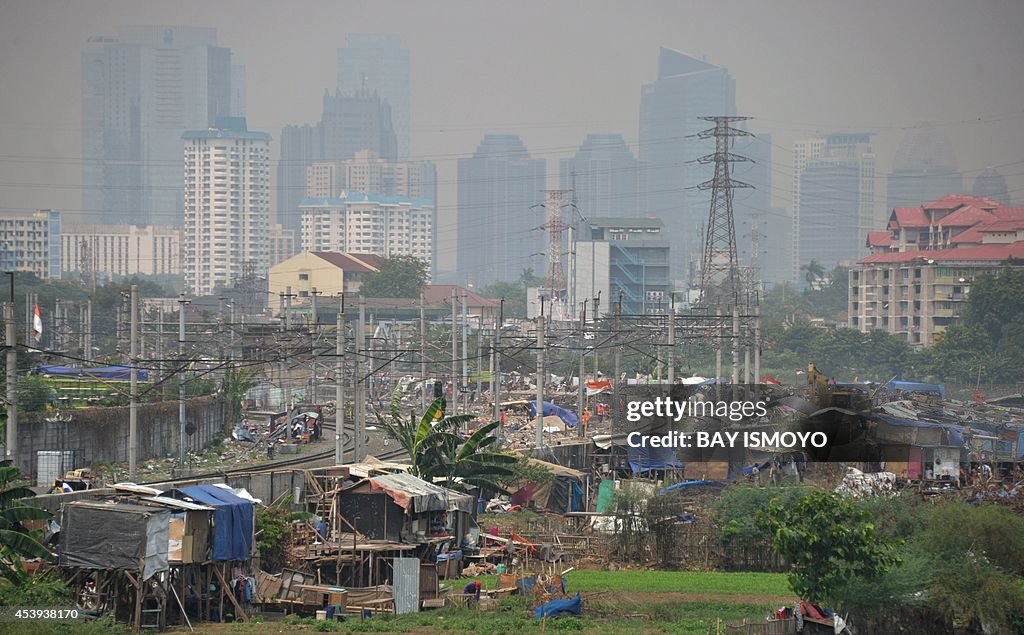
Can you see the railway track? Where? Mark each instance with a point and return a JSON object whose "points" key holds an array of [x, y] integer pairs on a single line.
{"points": [[270, 465]]}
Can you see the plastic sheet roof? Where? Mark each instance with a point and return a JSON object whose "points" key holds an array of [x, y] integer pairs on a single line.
{"points": [[416, 495]]}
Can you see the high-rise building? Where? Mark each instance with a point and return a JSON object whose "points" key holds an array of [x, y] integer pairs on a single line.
{"points": [[762, 231], [923, 169], [121, 250], [140, 91], [31, 243], [670, 109], [349, 123], [834, 199], [377, 63], [498, 222], [992, 184], [602, 176], [369, 224], [227, 204]]}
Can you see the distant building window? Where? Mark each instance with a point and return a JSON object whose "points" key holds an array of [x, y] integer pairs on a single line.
{"points": [[303, 276]]}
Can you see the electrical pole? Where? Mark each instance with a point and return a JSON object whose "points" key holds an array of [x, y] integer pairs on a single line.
{"points": [[735, 378], [133, 408], [160, 350], [757, 345], [496, 377], [541, 377], [360, 422], [618, 360], [423, 353], [11, 341], [455, 354], [181, 380], [339, 386], [672, 339], [581, 393], [314, 319], [465, 354]]}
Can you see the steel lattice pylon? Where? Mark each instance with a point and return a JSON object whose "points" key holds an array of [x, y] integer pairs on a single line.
{"points": [[720, 268]]}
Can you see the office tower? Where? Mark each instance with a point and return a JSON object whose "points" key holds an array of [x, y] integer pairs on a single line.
{"points": [[498, 223], [992, 184], [603, 177], [624, 258], [349, 123], [834, 200], [686, 88], [762, 231], [377, 63], [227, 204], [140, 91], [923, 169]]}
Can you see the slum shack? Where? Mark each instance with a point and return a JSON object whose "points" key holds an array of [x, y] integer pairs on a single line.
{"points": [[118, 551], [403, 508], [563, 495]]}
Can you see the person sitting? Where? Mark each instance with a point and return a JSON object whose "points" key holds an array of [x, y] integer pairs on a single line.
{"points": [[472, 588]]}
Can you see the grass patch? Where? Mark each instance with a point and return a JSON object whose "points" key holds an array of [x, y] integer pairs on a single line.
{"points": [[716, 583]]}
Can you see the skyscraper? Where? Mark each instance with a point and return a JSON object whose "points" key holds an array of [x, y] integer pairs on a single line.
{"points": [[227, 204], [992, 184], [603, 176], [834, 199], [754, 214], [140, 91], [498, 233], [377, 63], [686, 88], [923, 169], [349, 123]]}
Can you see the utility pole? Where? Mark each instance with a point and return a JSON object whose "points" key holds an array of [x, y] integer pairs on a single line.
{"points": [[160, 350], [181, 380], [735, 378], [582, 392], [597, 316], [455, 353], [618, 360], [541, 377], [314, 320], [339, 385], [495, 355], [465, 355], [360, 422], [718, 355], [672, 339], [133, 407], [423, 353], [757, 344], [11, 342], [88, 329], [480, 356]]}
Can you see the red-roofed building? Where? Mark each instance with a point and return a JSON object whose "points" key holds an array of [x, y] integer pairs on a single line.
{"points": [[917, 278], [918, 294]]}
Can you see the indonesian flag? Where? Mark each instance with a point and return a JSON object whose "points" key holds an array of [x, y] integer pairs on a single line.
{"points": [[37, 325], [599, 386]]}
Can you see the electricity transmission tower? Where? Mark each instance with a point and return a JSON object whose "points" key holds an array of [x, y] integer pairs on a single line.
{"points": [[720, 272]]}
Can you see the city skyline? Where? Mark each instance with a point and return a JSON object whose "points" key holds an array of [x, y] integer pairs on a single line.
{"points": [[530, 96]]}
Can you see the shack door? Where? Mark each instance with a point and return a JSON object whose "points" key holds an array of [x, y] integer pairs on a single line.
{"points": [[914, 463]]}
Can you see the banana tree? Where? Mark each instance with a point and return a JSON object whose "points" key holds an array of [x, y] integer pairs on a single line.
{"points": [[17, 542]]}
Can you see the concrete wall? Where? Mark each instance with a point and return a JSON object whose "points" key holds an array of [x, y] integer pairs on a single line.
{"points": [[98, 435]]}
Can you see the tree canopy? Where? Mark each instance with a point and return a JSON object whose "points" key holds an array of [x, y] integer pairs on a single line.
{"points": [[399, 277]]}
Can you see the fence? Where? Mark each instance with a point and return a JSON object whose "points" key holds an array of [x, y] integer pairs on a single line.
{"points": [[773, 627]]}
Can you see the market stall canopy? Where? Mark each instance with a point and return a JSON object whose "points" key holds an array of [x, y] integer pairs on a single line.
{"points": [[416, 495]]}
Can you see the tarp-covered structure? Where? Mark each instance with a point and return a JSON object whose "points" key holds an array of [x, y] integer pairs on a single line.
{"points": [[646, 459], [114, 536], [567, 416], [562, 495], [233, 519], [119, 373], [914, 386], [416, 495]]}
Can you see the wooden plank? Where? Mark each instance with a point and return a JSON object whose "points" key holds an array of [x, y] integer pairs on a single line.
{"points": [[226, 590]]}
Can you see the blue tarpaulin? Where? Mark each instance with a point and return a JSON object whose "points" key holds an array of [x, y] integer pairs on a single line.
{"points": [[96, 372], [645, 459], [558, 608], [684, 484], [913, 386], [568, 417], [233, 518]]}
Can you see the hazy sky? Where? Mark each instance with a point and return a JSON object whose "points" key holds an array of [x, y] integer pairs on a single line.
{"points": [[551, 72]]}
